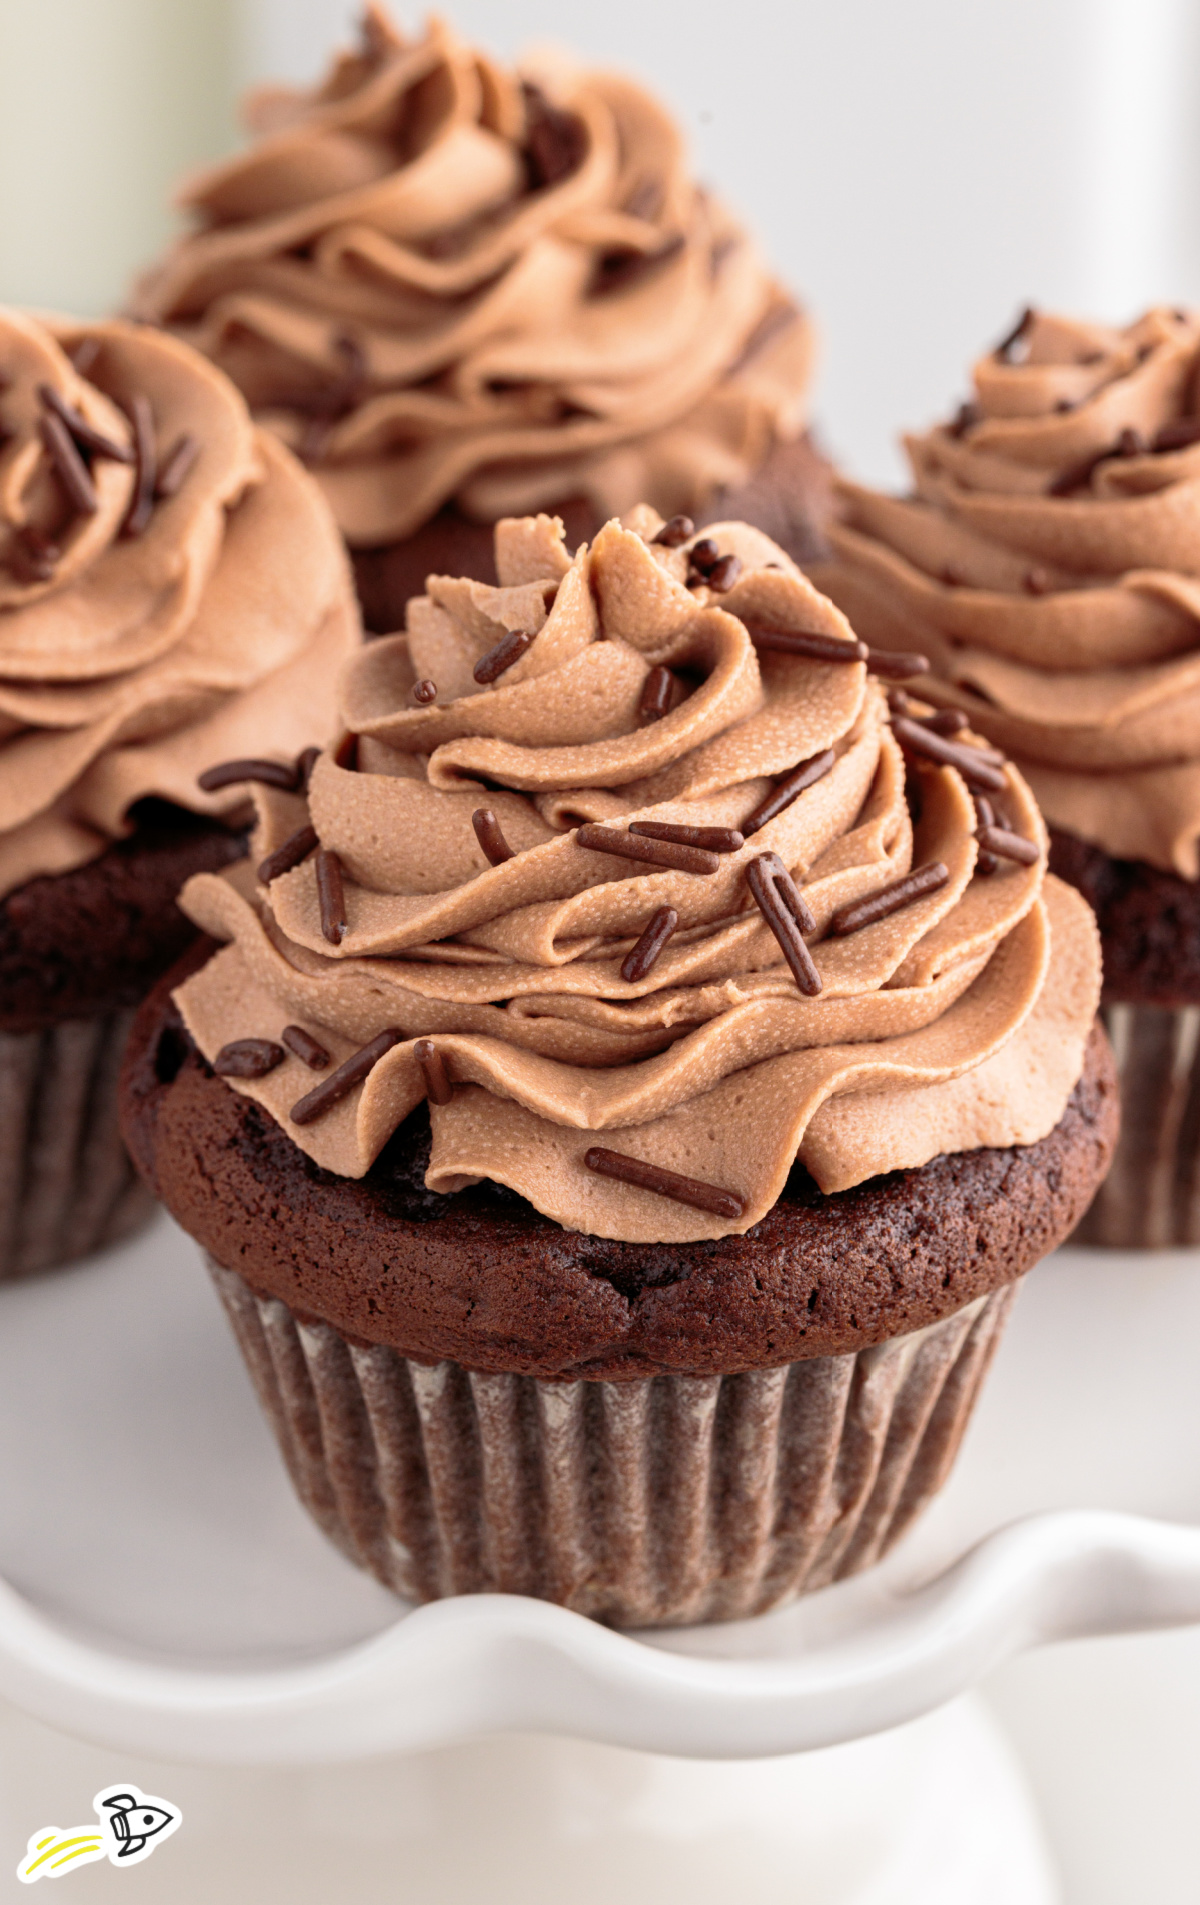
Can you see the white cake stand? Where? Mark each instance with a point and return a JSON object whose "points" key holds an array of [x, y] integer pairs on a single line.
{"points": [[165, 1599]]}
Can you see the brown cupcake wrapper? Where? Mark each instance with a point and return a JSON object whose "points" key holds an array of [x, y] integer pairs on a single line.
{"points": [[67, 1186], [661, 1501], [1151, 1196]]}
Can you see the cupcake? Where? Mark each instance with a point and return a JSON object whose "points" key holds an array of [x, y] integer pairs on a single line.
{"points": [[1048, 561], [462, 292], [618, 1142], [172, 591]]}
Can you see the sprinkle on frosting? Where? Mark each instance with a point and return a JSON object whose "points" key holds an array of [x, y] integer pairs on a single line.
{"points": [[130, 664], [1067, 503], [707, 1028], [441, 280]]}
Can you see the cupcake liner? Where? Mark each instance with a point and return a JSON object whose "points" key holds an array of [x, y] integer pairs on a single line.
{"points": [[67, 1186], [1151, 1196], [659, 1501]]}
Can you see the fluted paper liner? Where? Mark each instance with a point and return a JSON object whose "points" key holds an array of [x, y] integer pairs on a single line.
{"points": [[1151, 1196], [67, 1186], [660, 1501]]}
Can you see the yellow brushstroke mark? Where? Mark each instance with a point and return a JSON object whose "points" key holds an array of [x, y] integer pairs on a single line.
{"points": [[58, 1843], [78, 1852]]}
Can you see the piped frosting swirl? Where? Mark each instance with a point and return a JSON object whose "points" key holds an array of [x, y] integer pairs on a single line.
{"points": [[151, 621], [1048, 562], [440, 279], [933, 1029]]}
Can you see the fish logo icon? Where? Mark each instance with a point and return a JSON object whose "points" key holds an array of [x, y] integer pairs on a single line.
{"points": [[132, 1825]]}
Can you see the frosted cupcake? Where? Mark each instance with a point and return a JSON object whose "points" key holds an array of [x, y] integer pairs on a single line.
{"points": [[462, 292], [618, 1115], [173, 593], [1049, 564]]}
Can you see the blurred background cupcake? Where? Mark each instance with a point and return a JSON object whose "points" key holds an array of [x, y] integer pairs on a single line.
{"points": [[461, 291], [1048, 562], [173, 593], [618, 1181]]}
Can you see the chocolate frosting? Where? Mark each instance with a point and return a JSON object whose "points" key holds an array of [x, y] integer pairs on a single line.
{"points": [[439, 280], [935, 1029], [131, 662], [1048, 562]]}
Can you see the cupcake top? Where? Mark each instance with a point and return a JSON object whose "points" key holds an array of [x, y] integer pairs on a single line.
{"points": [[173, 590], [1048, 562], [626, 865], [440, 279]]}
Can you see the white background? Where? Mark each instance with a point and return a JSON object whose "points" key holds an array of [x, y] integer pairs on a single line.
{"points": [[918, 170]]}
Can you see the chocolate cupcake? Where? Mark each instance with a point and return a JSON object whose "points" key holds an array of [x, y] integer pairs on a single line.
{"points": [[462, 292], [1047, 563], [618, 1144], [172, 591]]}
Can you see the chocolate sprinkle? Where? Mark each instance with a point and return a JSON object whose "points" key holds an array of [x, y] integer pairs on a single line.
{"points": [[230, 773], [806, 642], [638, 962], [659, 853], [341, 1083], [773, 869], [424, 693], [490, 836], [703, 554], [973, 763], [555, 141], [1007, 845], [248, 1058], [331, 894], [305, 763], [433, 1065], [508, 650], [889, 899], [783, 907], [896, 665], [141, 506], [714, 839], [806, 775], [69, 467], [774, 323], [1004, 347], [898, 702], [177, 468], [724, 573], [289, 854], [945, 721], [1177, 436], [656, 694], [82, 431], [652, 1177], [305, 1047], [676, 532]]}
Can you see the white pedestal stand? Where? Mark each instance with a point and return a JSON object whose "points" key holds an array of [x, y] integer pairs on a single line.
{"points": [[168, 1601]]}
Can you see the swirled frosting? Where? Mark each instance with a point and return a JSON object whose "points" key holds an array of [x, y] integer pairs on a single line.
{"points": [[957, 1021], [130, 662], [439, 280], [1048, 562]]}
